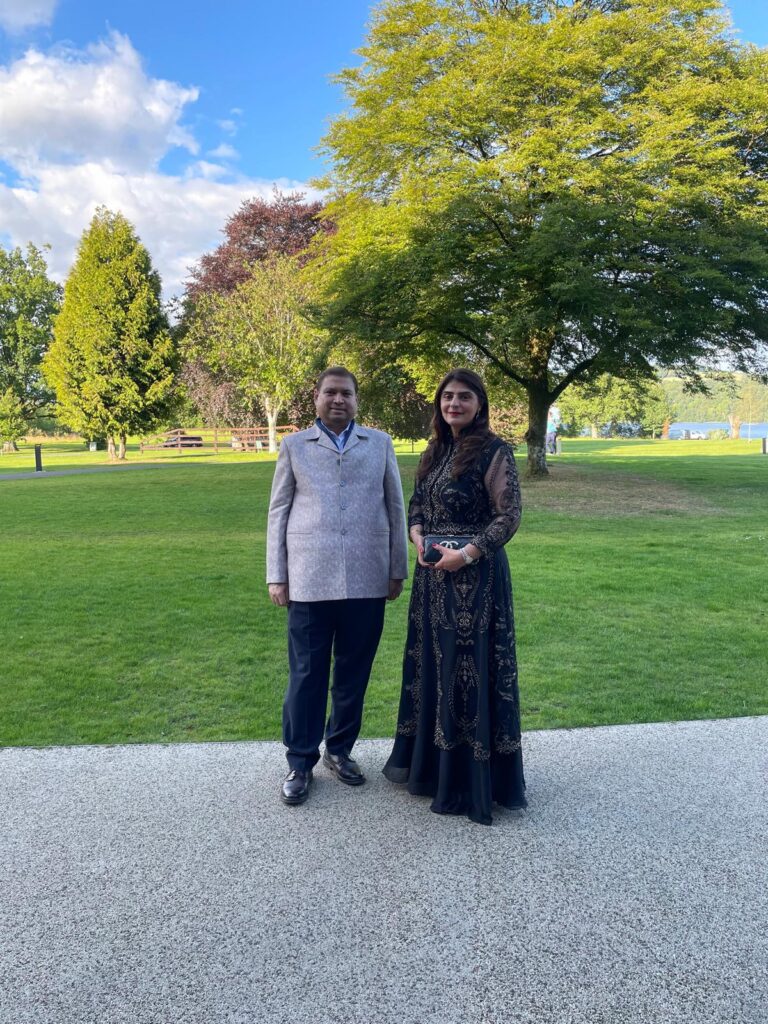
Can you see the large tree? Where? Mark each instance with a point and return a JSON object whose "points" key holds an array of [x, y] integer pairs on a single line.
{"points": [[259, 229], [564, 187], [28, 303], [257, 336], [113, 362]]}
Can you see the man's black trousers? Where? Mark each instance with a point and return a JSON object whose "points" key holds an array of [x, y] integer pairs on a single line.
{"points": [[351, 630]]}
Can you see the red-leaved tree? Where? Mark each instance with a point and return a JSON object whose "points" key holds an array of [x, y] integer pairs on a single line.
{"points": [[283, 226]]}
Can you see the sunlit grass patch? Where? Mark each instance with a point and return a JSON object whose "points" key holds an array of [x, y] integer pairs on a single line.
{"points": [[134, 605]]}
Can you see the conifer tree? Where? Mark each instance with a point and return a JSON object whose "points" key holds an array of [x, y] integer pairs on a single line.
{"points": [[113, 361]]}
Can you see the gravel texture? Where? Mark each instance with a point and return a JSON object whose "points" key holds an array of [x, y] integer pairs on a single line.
{"points": [[169, 885]]}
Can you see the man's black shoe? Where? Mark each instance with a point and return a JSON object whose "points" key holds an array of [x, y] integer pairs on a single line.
{"points": [[296, 786], [344, 768]]}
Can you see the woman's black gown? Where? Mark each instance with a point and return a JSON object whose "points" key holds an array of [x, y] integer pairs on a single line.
{"points": [[458, 729]]}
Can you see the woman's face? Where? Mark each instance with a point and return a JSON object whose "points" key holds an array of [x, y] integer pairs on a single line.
{"points": [[459, 405]]}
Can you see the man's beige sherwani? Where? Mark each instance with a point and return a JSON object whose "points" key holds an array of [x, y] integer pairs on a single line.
{"points": [[336, 525]]}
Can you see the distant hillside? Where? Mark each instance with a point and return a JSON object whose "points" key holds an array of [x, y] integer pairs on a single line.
{"points": [[731, 397]]}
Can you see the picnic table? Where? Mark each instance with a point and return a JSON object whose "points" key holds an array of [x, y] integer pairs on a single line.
{"points": [[253, 439], [243, 439], [178, 438]]}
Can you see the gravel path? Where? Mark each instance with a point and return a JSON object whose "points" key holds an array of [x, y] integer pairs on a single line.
{"points": [[169, 885]]}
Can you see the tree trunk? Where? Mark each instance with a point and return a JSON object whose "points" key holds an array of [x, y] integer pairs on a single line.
{"points": [[734, 422], [536, 435], [593, 431], [121, 452], [272, 411], [10, 446], [665, 429], [111, 451]]}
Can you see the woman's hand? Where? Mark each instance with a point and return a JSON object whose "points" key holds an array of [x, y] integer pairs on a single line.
{"points": [[417, 539], [451, 560]]}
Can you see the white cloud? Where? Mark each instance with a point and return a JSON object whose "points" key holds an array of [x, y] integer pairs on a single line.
{"points": [[230, 127], [177, 218], [224, 152], [16, 15], [89, 128], [98, 104], [205, 169]]}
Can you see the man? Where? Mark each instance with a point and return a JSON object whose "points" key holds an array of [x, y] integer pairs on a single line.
{"points": [[336, 551]]}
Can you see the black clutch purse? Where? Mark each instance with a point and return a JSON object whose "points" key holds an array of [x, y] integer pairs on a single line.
{"points": [[431, 554]]}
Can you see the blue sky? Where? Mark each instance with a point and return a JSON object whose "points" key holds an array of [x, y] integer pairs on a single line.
{"points": [[269, 63], [172, 112]]}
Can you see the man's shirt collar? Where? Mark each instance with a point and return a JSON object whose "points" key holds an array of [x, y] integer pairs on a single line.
{"points": [[340, 440]]}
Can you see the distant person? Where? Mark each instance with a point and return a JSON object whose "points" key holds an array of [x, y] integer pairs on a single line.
{"points": [[553, 425], [458, 728], [336, 551]]}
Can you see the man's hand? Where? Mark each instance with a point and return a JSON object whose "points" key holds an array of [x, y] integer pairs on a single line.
{"points": [[278, 594], [395, 589]]}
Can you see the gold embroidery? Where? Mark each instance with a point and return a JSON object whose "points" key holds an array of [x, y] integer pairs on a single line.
{"points": [[462, 612]]}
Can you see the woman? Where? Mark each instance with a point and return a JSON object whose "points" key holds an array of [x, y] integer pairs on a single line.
{"points": [[458, 730]]}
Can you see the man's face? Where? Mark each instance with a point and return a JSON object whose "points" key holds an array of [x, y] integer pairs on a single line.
{"points": [[336, 402]]}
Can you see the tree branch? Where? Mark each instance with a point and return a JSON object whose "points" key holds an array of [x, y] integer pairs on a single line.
{"points": [[504, 367], [571, 376]]}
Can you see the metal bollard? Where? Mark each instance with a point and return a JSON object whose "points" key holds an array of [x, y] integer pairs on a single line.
{"points": [[38, 458], [765, 445]]}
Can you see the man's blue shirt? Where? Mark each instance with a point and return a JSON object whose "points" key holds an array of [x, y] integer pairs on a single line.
{"points": [[341, 439]]}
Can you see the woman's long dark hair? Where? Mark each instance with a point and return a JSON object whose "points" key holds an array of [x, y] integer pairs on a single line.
{"points": [[471, 440]]}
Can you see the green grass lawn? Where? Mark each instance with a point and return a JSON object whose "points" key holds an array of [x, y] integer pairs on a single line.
{"points": [[134, 608], [65, 454]]}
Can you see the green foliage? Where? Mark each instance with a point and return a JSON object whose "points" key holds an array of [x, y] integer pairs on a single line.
{"points": [[390, 401], [13, 422], [257, 337], [113, 361], [389, 396], [508, 421], [564, 189], [610, 401], [720, 396], [28, 303]]}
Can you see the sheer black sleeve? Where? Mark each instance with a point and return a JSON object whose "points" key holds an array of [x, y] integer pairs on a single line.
{"points": [[503, 489], [416, 507]]}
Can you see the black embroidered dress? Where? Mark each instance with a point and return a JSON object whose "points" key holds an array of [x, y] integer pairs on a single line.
{"points": [[458, 730]]}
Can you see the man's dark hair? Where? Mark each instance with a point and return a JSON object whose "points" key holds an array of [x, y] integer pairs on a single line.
{"points": [[336, 371]]}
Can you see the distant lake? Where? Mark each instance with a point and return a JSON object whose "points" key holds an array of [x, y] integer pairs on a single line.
{"points": [[747, 429]]}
